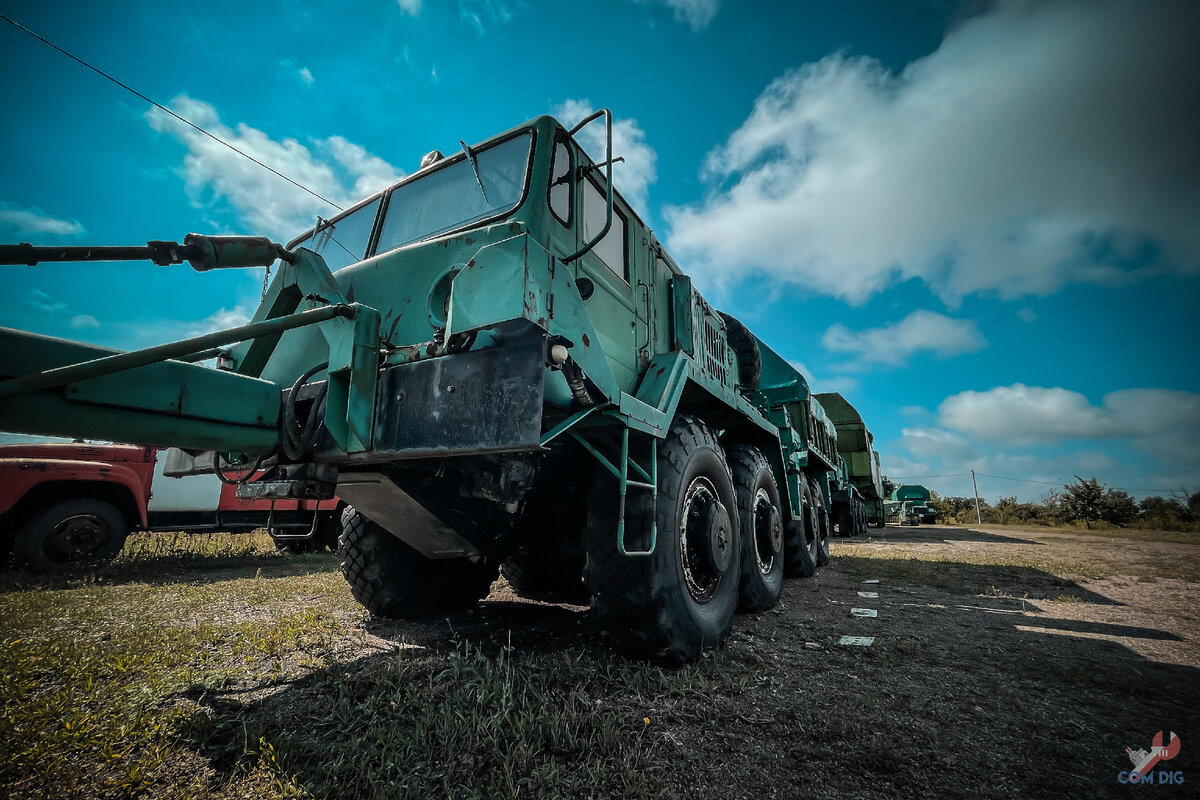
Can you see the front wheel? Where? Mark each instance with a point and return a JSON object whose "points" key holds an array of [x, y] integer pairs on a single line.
{"points": [[670, 606], [390, 579], [80, 532]]}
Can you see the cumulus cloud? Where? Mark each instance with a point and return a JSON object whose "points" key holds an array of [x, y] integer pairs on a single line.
{"points": [[412, 7], [1025, 413], [633, 176], [1040, 144], [927, 442], [1020, 438], [894, 344], [35, 221], [696, 13], [264, 202], [305, 75]]}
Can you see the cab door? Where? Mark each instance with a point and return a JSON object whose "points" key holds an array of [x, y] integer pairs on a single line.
{"points": [[619, 303]]}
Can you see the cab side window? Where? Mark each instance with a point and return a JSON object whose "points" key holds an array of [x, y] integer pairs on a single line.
{"points": [[611, 249], [560, 183]]}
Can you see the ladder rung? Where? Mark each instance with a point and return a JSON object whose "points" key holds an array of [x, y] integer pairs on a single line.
{"points": [[639, 484]]}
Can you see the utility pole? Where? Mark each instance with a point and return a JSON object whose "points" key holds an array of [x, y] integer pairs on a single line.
{"points": [[978, 517]]}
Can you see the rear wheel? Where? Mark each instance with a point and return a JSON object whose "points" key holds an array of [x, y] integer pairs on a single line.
{"points": [[80, 532], [393, 580], [800, 538], [761, 527], [824, 524], [670, 606]]}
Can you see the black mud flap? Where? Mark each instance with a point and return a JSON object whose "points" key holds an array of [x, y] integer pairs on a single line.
{"points": [[484, 401]]}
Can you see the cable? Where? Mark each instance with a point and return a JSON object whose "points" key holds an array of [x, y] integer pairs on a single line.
{"points": [[1019, 480], [169, 111]]}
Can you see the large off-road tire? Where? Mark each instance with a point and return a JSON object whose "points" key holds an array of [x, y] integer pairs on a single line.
{"points": [[393, 580], [760, 525], [847, 522], [745, 347], [800, 538], [824, 524], [74, 533], [671, 606]]}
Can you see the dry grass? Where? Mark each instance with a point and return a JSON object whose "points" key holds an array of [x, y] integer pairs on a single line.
{"points": [[1006, 664]]}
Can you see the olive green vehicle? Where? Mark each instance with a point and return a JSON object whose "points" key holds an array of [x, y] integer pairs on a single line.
{"points": [[497, 365]]}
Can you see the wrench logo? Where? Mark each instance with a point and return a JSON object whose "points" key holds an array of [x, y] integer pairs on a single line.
{"points": [[1143, 762]]}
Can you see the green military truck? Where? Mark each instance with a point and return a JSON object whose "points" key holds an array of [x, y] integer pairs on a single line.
{"points": [[912, 504], [857, 500], [497, 364]]}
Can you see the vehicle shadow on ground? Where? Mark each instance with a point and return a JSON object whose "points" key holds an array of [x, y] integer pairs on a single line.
{"points": [[1009, 582], [938, 533], [413, 697], [495, 624], [168, 569]]}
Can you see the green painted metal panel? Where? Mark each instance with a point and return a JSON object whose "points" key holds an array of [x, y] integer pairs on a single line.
{"points": [[165, 403]]}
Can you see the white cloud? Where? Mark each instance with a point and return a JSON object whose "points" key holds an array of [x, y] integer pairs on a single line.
{"points": [[221, 319], [842, 384], [264, 203], [1042, 143], [1027, 315], [893, 344], [83, 321], [43, 303], [411, 7], [1027, 413], [306, 76], [633, 176], [34, 221], [696, 13], [479, 15], [933, 442], [371, 173]]}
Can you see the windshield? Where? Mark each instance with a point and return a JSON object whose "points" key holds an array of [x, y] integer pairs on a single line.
{"points": [[468, 191]]}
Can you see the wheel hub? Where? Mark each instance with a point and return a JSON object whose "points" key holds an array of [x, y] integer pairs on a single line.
{"points": [[706, 539], [719, 552], [77, 538]]}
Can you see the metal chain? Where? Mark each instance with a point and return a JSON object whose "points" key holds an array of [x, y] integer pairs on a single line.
{"points": [[266, 281]]}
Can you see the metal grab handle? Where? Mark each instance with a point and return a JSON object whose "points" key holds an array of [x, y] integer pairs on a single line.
{"points": [[608, 162]]}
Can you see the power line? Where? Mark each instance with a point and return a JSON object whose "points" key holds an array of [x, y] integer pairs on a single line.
{"points": [[161, 107], [1019, 480]]}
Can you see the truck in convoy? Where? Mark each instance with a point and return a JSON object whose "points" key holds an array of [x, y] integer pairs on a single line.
{"points": [[65, 504], [858, 501], [911, 504], [494, 362]]}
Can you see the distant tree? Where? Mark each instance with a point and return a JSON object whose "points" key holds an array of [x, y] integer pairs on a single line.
{"points": [[1052, 506], [1193, 505], [1118, 508], [1162, 512], [889, 486], [1083, 500], [935, 499]]}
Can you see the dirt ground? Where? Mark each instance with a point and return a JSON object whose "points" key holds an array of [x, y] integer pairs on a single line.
{"points": [[1005, 663]]}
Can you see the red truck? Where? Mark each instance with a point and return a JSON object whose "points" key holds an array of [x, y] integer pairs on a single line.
{"points": [[62, 505]]}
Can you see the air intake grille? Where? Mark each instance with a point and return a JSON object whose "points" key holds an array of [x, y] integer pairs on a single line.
{"points": [[715, 357]]}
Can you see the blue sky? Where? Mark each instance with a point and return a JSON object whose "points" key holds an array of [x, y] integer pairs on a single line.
{"points": [[979, 221]]}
